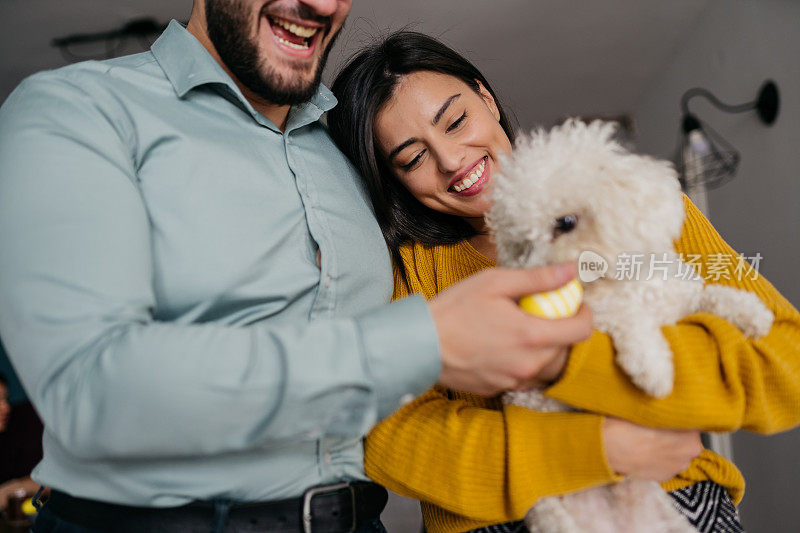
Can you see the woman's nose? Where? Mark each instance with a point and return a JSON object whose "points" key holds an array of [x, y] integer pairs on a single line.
{"points": [[449, 159]]}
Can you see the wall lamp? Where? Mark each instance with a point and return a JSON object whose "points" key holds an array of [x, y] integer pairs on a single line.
{"points": [[705, 159], [141, 29]]}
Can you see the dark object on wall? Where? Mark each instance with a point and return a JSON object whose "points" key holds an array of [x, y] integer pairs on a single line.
{"points": [[140, 29], [705, 160]]}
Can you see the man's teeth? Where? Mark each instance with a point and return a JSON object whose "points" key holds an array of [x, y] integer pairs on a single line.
{"points": [[472, 179], [300, 31], [303, 46]]}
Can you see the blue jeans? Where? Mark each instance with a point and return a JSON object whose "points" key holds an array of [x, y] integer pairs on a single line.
{"points": [[47, 522]]}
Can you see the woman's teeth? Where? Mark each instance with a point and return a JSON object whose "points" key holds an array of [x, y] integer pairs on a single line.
{"points": [[472, 179]]}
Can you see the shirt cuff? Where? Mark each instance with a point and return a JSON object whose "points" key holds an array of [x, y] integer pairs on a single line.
{"points": [[402, 351]]}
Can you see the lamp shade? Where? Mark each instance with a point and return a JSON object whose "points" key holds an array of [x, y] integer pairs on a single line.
{"points": [[705, 159]]}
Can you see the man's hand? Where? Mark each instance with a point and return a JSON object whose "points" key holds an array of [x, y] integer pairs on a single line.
{"points": [[14, 486], [489, 345], [648, 453]]}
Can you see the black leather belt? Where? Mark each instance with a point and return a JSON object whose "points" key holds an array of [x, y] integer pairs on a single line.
{"points": [[336, 508]]}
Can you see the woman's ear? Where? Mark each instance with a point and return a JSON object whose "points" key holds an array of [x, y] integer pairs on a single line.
{"points": [[489, 99]]}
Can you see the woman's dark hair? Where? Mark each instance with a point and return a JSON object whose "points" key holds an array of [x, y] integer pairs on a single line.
{"points": [[362, 87]]}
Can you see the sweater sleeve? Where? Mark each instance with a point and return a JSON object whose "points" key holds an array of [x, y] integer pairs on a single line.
{"points": [[724, 380], [489, 465], [473, 457]]}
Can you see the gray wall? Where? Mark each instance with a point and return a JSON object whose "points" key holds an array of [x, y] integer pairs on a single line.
{"points": [[735, 46]]}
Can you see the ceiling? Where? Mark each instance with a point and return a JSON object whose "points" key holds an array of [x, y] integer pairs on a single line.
{"points": [[545, 58]]}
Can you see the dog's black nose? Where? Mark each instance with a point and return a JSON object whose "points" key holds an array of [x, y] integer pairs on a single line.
{"points": [[565, 224]]}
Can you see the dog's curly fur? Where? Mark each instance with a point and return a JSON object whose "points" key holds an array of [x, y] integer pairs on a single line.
{"points": [[624, 203]]}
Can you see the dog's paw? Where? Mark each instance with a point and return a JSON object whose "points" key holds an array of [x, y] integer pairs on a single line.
{"points": [[741, 308], [758, 321], [647, 359], [657, 383]]}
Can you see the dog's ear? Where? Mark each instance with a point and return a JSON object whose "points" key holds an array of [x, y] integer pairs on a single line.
{"points": [[646, 192]]}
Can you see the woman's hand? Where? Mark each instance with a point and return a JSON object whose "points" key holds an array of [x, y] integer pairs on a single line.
{"points": [[648, 453]]}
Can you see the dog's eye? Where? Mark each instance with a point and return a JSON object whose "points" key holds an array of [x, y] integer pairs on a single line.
{"points": [[565, 224]]}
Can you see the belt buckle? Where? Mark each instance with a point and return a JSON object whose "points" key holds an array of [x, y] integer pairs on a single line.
{"points": [[321, 489]]}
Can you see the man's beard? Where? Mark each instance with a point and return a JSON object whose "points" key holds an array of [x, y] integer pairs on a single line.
{"points": [[228, 25]]}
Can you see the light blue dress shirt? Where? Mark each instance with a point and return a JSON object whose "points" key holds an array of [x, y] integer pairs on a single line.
{"points": [[160, 296]]}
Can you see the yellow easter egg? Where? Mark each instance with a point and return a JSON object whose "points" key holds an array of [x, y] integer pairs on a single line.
{"points": [[560, 303], [28, 508]]}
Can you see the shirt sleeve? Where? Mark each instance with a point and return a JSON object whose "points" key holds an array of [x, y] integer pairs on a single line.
{"points": [[76, 301], [724, 380]]}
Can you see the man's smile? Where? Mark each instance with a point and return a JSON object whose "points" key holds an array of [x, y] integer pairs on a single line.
{"points": [[297, 38]]}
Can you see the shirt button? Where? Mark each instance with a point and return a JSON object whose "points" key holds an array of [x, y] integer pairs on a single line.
{"points": [[406, 399], [327, 457]]}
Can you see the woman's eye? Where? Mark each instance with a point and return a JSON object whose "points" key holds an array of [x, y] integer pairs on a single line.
{"points": [[457, 122], [408, 166]]}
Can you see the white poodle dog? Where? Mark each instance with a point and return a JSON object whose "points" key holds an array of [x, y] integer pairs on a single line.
{"points": [[575, 193]]}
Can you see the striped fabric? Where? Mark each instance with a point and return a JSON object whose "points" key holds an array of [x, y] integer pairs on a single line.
{"points": [[705, 505]]}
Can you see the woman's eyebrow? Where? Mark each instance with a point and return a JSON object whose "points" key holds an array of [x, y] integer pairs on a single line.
{"points": [[436, 118], [444, 108], [401, 146]]}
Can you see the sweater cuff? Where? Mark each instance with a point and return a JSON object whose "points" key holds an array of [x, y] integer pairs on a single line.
{"points": [[553, 453], [401, 349]]}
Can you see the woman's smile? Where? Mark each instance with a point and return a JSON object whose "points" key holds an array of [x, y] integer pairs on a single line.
{"points": [[473, 180]]}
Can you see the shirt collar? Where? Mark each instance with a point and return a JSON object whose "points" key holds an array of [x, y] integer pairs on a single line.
{"points": [[310, 111], [187, 64]]}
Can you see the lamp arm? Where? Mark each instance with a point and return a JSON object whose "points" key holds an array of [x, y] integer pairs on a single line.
{"points": [[699, 91]]}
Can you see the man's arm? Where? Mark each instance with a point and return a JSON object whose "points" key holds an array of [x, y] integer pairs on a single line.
{"points": [[76, 295]]}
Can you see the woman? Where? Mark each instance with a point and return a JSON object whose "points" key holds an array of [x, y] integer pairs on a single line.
{"points": [[425, 129]]}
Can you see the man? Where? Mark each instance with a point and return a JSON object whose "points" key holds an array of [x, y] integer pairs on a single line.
{"points": [[191, 284]]}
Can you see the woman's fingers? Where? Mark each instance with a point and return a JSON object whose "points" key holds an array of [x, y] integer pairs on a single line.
{"points": [[648, 453]]}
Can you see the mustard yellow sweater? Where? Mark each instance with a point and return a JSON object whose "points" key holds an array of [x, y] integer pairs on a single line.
{"points": [[473, 462]]}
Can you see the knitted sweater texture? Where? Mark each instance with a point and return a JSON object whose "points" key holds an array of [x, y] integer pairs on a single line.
{"points": [[472, 461]]}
